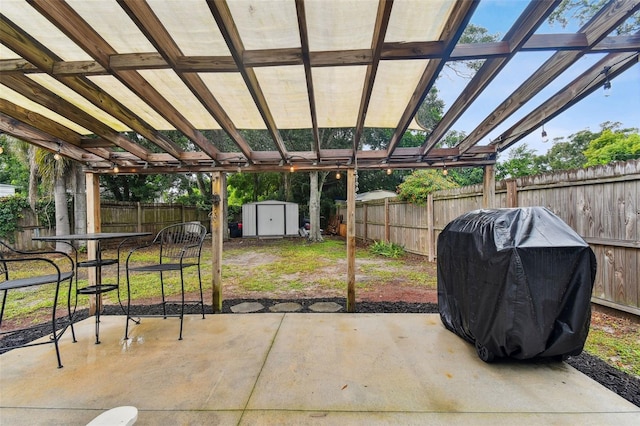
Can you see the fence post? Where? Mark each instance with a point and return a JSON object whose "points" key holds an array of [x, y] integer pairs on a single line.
{"points": [[365, 218], [512, 193], [387, 231], [430, 231], [139, 206], [489, 187]]}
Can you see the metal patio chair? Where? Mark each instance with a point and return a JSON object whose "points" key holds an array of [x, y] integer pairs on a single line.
{"points": [[179, 247], [45, 273]]}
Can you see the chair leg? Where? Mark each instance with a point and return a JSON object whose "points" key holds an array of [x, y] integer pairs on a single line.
{"points": [[201, 295], [73, 332], [126, 327], [98, 309], [182, 302], [54, 333], [164, 303]]}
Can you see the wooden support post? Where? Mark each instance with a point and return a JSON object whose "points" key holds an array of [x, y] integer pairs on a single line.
{"points": [[489, 187], [351, 240], [218, 187], [431, 243], [139, 228], [94, 225], [512, 193]]}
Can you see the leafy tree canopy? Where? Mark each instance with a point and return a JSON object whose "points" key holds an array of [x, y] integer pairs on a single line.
{"points": [[612, 146], [13, 170], [583, 10], [522, 161], [421, 183]]}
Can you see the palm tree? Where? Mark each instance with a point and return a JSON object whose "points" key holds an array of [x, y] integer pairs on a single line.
{"points": [[64, 176]]}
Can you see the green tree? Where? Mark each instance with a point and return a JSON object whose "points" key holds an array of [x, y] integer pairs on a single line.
{"points": [[584, 10], [522, 161], [430, 111], [612, 146], [421, 183], [569, 154], [13, 171], [472, 34]]}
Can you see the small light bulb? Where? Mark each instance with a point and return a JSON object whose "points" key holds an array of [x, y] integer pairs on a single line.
{"points": [[445, 171], [292, 169], [338, 176], [607, 88], [57, 156], [389, 171], [545, 138], [116, 169]]}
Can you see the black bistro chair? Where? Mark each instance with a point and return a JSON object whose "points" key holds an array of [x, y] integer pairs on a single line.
{"points": [[46, 272], [179, 247]]}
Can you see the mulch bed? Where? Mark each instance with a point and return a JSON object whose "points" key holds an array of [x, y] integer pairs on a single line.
{"points": [[625, 385]]}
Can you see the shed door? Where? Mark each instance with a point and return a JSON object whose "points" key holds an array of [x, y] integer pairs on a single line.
{"points": [[270, 219]]}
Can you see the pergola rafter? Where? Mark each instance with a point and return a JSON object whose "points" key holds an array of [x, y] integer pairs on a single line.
{"points": [[37, 57]]}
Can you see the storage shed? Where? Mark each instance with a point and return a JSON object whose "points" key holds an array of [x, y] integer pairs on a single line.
{"points": [[270, 219], [7, 190]]}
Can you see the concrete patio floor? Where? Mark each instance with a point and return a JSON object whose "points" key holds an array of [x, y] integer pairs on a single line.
{"points": [[293, 369]]}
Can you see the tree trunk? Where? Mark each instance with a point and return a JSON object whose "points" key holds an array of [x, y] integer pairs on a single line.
{"points": [[62, 213], [315, 191]]}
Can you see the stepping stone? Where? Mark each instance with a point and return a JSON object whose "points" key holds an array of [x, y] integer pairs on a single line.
{"points": [[247, 308], [325, 307], [286, 307]]}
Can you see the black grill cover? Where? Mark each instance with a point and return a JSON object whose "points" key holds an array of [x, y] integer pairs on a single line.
{"points": [[516, 281]]}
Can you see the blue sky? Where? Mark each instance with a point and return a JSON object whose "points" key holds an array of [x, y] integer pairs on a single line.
{"points": [[623, 104]]}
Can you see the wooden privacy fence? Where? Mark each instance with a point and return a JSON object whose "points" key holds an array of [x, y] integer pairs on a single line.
{"points": [[118, 217], [600, 203]]}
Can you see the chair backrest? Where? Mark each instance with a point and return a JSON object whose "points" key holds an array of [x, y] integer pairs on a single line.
{"points": [[183, 240]]}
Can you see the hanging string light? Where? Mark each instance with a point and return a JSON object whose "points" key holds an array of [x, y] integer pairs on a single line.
{"points": [[545, 137], [57, 155], [607, 82], [444, 169], [389, 171], [116, 169]]}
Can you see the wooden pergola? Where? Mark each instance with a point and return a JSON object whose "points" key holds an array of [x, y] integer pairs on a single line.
{"points": [[76, 75]]}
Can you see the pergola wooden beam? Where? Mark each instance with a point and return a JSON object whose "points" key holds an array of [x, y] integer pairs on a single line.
{"points": [[143, 16], [18, 129], [377, 41], [73, 26], [295, 56], [588, 82], [222, 15], [304, 41], [36, 93], [605, 21], [38, 55], [451, 33], [530, 19], [52, 128]]}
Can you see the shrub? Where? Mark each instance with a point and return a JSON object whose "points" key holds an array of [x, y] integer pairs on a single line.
{"points": [[11, 209], [382, 248]]}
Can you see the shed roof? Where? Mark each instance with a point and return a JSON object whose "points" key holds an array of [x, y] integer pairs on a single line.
{"points": [[76, 74]]}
